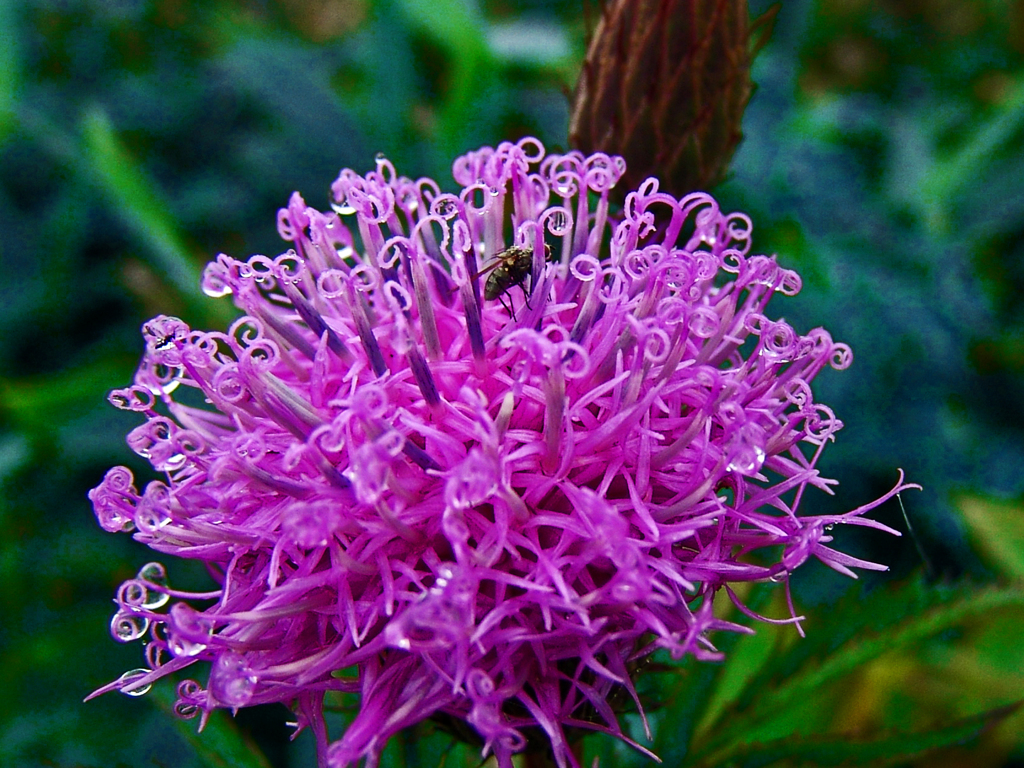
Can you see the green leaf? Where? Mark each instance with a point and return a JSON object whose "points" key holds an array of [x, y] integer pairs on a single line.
{"points": [[948, 176], [31, 402], [452, 23], [455, 26], [100, 160], [221, 744], [749, 654], [859, 630], [698, 692], [135, 200], [890, 749], [997, 530]]}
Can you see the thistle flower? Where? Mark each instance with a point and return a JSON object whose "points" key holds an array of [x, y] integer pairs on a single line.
{"points": [[479, 509]]}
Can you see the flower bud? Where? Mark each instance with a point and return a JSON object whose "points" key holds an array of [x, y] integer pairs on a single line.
{"points": [[664, 85]]}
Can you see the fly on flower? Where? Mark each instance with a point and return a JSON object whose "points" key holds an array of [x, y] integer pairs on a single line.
{"points": [[491, 519], [510, 268]]}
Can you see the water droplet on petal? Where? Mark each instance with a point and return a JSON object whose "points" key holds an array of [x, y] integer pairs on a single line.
{"points": [[704, 322], [473, 482], [369, 472], [182, 647], [409, 201], [215, 282], [232, 682], [445, 207], [154, 572], [156, 654], [132, 593], [747, 452], [155, 600], [397, 638], [131, 675], [126, 627], [558, 222], [185, 711], [171, 462]]}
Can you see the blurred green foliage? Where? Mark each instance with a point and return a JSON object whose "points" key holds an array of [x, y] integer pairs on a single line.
{"points": [[882, 159]]}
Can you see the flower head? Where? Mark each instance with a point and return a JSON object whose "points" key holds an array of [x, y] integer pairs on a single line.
{"points": [[487, 507]]}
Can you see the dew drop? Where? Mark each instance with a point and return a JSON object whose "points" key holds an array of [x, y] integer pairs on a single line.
{"points": [[133, 593], [185, 711], [165, 388], [126, 627], [232, 682], [747, 451], [150, 520], [130, 676], [558, 222], [155, 600], [747, 460], [704, 322], [180, 647], [169, 462], [214, 285], [625, 593], [154, 573], [446, 208], [410, 202], [216, 292]]}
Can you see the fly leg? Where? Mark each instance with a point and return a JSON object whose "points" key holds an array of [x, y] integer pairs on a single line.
{"points": [[508, 307]]}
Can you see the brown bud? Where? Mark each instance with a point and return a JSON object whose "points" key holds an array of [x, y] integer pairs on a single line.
{"points": [[664, 84]]}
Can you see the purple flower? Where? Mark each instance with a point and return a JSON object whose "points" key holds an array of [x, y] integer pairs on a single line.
{"points": [[479, 509]]}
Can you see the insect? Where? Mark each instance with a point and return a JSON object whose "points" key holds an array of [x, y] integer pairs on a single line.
{"points": [[510, 268]]}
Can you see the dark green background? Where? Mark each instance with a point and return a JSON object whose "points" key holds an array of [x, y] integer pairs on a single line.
{"points": [[138, 138]]}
